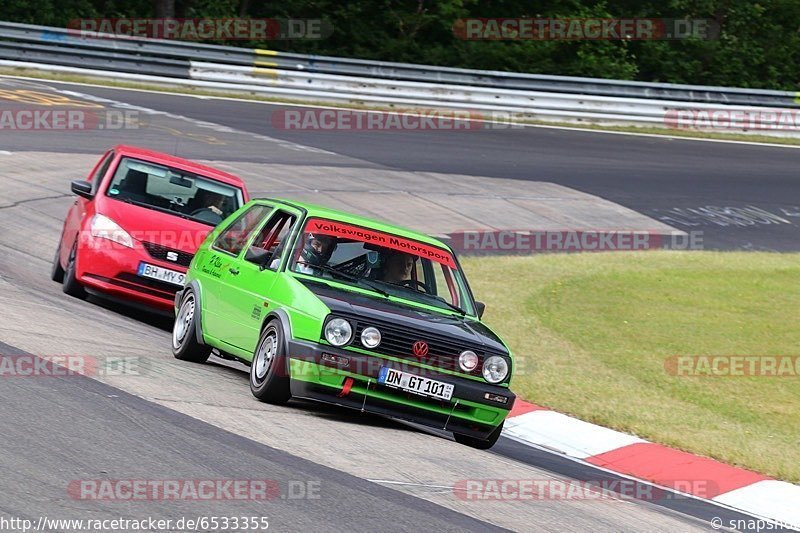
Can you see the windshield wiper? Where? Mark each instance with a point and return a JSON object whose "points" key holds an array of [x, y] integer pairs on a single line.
{"points": [[347, 275], [436, 297], [451, 306]]}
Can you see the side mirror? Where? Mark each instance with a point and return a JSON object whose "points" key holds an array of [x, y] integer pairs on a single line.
{"points": [[82, 188], [258, 256], [480, 307]]}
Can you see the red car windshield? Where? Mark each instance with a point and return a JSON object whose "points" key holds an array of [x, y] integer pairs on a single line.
{"points": [[395, 265], [174, 191]]}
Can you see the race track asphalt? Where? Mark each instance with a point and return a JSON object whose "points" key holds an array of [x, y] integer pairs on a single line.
{"points": [[66, 430]]}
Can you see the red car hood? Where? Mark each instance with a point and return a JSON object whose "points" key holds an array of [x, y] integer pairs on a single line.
{"points": [[150, 225]]}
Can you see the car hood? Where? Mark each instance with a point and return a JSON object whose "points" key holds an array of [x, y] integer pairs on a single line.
{"points": [[150, 225], [455, 327]]}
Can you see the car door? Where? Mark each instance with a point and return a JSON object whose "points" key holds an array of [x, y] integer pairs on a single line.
{"points": [[247, 288], [216, 264]]}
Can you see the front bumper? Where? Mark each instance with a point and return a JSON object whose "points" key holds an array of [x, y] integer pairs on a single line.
{"points": [[470, 411], [114, 272]]}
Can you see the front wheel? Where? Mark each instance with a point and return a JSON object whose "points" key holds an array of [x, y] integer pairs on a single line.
{"points": [[71, 285], [185, 344], [57, 271], [269, 376], [480, 444]]}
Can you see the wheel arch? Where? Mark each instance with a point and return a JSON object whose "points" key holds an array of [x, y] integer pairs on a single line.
{"points": [[283, 317], [198, 294]]}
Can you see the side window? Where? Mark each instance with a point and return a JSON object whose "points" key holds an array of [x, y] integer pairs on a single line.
{"points": [[234, 237], [272, 239], [102, 168]]}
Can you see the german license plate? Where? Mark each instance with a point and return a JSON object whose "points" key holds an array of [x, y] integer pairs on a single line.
{"points": [[146, 270], [415, 384]]}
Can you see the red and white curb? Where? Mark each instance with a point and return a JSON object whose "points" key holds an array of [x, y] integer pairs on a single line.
{"points": [[628, 455]]}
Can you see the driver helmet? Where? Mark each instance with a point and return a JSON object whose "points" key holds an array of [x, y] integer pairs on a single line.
{"points": [[318, 249]]}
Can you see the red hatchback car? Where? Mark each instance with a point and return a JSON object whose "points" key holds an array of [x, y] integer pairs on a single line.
{"points": [[137, 222]]}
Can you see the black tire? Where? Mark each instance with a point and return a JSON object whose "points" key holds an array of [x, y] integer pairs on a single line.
{"points": [[57, 271], [480, 444], [185, 344], [269, 373], [70, 284]]}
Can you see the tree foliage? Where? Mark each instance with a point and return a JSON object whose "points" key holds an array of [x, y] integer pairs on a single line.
{"points": [[758, 45]]}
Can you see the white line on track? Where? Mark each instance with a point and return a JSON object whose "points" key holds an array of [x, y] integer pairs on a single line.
{"points": [[460, 490], [409, 484], [199, 123]]}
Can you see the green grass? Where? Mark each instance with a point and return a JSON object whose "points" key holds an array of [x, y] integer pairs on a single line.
{"points": [[240, 95], [592, 331]]}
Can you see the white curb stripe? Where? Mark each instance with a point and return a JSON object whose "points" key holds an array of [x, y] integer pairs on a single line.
{"points": [[778, 500], [773, 500], [571, 436]]}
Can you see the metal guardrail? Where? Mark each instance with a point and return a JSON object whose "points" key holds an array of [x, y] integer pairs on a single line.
{"points": [[400, 71], [536, 82], [320, 78], [155, 48], [95, 59]]}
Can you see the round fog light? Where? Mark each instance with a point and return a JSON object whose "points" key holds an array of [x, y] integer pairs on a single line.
{"points": [[468, 360], [370, 337], [495, 369], [338, 331]]}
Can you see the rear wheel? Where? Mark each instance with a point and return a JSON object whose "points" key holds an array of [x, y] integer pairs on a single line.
{"points": [[269, 376], [185, 344], [71, 285], [57, 271], [480, 444]]}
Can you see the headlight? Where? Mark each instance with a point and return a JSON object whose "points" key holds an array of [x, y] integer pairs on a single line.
{"points": [[103, 227], [370, 337], [495, 369], [338, 331], [468, 360]]}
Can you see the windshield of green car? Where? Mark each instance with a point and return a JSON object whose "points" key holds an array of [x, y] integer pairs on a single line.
{"points": [[174, 191], [383, 263]]}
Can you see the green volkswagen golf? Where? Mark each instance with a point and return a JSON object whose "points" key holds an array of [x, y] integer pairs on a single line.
{"points": [[342, 309]]}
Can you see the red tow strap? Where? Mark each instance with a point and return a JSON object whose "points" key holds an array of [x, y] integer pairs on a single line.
{"points": [[348, 384]]}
